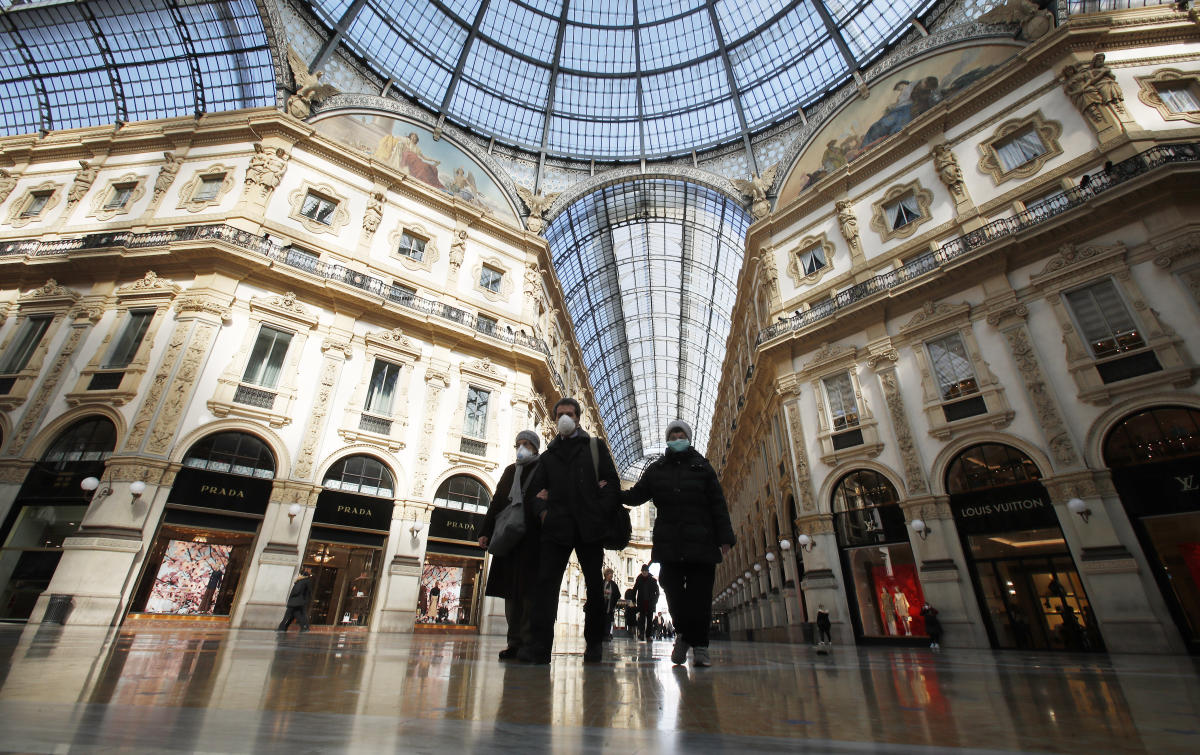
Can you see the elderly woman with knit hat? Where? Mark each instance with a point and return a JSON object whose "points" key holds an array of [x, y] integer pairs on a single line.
{"points": [[692, 534], [513, 576]]}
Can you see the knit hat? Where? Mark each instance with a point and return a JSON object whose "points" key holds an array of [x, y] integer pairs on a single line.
{"points": [[532, 437], [678, 424]]}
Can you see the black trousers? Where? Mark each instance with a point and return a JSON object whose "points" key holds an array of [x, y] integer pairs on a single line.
{"points": [[552, 564], [299, 613], [645, 621], [689, 597]]}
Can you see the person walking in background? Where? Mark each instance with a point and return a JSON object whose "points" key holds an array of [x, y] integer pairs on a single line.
{"points": [[631, 613], [297, 602], [612, 594], [691, 536], [824, 635], [933, 626], [579, 497], [513, 575], [645, 595]]}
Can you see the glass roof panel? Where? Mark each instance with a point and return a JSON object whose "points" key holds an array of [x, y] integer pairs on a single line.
{"points": [[782, 57], [649, 271]]}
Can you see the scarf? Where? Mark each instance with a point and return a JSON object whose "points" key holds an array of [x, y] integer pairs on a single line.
{"points": [[515, 494]]}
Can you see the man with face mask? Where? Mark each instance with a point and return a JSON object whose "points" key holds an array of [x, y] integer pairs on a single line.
{"points": [[574, 512], [692, 534]]}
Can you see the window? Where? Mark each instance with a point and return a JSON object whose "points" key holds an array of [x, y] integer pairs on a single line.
{"points": [[843, 409], [490, 278], [1019, 148], [120, 196], [812, 260], [209, 188], [1105, 322], [1179, 96], [130, 339], [232, 452], [412, 246], [360, 474], [318, 208], [952, 367], [402, 293], [22, 347], [382, 389], [464, 493], [485, 324], [37, 203], [901, 212], [477, 406], [266, 360]]}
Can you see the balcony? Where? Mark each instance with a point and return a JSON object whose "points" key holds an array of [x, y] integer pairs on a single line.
{"points": [[255, 397]]}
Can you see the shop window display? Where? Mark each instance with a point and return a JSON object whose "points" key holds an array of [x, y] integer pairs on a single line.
{"points": [[448, 590], [193, 572], [344, 578]]}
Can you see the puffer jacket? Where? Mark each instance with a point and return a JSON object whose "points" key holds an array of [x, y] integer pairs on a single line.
{"points": [[692, 522], [577, 503]]}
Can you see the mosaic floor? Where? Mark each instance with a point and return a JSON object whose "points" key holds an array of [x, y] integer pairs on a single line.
{"points": [[68, 690]]}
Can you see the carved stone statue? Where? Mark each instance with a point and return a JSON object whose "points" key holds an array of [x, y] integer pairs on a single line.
{"points": [[374, 213], [266, 167], [81, 184], [166, 175], [309, 88], [1083, 91], [537, 204], [848, 224], [1105, 81], [947, 169], [1034, 22], [756, 189], [458, 248], [8, 182]]}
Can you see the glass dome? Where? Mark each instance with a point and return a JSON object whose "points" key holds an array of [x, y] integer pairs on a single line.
{"points": [[610, 80]]}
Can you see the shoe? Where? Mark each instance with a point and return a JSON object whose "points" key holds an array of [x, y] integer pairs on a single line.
{"points": [[679, 652], [700, 657], [525, 655], [594, 653], [509, 653]]}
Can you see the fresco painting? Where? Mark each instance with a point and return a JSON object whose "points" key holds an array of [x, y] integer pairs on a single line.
{"points": [[895, 101], [412, 149]]}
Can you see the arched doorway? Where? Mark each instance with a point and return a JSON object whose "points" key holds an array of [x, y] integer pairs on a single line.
{"points": [[346, 542], [48, 509], [882, 587], [451, 585], [1025, 578], [1154, 455], [206, 535]]}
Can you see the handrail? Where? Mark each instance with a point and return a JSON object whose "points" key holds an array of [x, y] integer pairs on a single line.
{"points": [[1097, 183]]}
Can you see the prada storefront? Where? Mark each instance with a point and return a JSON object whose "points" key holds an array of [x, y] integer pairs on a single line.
{"points": [[451, 590], [1025, 578], [344, 553]]}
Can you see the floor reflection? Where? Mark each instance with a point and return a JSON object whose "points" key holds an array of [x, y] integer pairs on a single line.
{"points": [[67, 689]]}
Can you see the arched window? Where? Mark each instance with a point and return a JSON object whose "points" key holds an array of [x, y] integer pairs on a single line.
{"points": [[232, 453], [989, 465], [361, 474], [463, 492], [89, 440], [1153, 435], [866, 510]]}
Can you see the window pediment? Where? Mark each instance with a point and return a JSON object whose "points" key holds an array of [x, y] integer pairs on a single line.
{"points": [[1077, 262], [394, 340], [933, 318], [285, 307]]}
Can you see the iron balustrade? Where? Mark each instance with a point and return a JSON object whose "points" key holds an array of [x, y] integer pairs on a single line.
{"points": [[1097, 183], [474, 447], [372, 424], [256, 397]]}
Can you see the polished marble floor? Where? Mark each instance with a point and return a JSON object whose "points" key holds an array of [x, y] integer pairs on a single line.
{"points": [[74, 689]]}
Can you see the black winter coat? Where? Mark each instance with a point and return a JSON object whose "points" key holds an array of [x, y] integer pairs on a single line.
{"points": [[520, 566], [301, 593], [577, 503], [692, 521]]}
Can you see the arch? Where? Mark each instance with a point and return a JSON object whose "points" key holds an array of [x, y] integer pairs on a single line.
{"points": [[941, 463], [1157, 419], [278, 448], [825, 494], [388, 459], [864, 476], [1024, 470], [238, 445], [1093, 443], [465, 495], [599, 181], [36, 448], [355, 473]]}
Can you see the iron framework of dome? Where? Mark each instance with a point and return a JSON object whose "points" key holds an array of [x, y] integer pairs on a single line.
{"points": [[617, 80]]}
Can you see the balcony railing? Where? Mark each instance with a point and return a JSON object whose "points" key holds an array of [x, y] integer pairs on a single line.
{"points": [[372, 424], [256, 397], [1098, 183], [471, 446]]}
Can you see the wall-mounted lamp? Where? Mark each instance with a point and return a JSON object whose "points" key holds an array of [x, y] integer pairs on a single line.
{"points": [[294, 511], [748, 575], [90, 484], [921, 528], [757, 566], [805, 541], [136, 488], [1077, 506], [742, 581], [785, 545], [415, 529], [770, 556]]}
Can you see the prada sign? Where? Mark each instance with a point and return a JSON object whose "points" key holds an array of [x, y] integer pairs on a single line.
{"points": [[1006, 509], [215, 490], [362, 512], [452, 524], [1168, 487]]}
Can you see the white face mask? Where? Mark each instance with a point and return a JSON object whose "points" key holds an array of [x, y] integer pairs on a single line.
{"points": [[566, 425], [523, 453]]}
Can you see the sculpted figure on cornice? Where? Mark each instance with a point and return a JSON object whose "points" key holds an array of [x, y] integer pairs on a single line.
{"points": [[7, 183], [1091, 87], [374, 213], [538, 204], [1034, 21], [266, 167], [166, 176], [309, 88], [848, 224], [756, 189], [81, 183], [947, 168]]}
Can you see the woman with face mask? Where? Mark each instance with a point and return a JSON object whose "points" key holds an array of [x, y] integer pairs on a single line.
{"points": [[514, 575], [692, 534]]}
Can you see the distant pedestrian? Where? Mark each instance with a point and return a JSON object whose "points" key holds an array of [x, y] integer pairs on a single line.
{"points": [[612, 594], [824, 627], [297, 602], [631, 613], [933, 627], [645, 594]]}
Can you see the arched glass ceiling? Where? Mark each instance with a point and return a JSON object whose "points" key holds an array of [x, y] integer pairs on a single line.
{"points": [[649, 269], [74, 64], [613, 79]]}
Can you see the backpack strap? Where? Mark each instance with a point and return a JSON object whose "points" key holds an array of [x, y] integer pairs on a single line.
{"points": [[595, 448]]}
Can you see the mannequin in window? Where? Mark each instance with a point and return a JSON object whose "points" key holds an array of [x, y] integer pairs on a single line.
{"points": [[889, 611], [901, 603]]}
